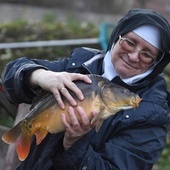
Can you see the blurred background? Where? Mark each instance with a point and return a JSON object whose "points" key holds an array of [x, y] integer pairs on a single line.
{"points": [[52, 28]]}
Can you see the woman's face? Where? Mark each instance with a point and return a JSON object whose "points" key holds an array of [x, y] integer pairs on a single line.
{"points": [[128, 64]]}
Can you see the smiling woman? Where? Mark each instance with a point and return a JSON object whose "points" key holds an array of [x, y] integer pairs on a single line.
{"points": [[132, 55], [126, 140], [130, 47]]}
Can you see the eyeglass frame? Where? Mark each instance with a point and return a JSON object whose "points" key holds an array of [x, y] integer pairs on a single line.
{"points": [[121, 39]]}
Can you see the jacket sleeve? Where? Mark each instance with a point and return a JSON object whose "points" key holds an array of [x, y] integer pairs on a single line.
{"points": [[15, 75]]}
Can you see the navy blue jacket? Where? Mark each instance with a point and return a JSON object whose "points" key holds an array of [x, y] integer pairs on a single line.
{"points": [[129, 140]]}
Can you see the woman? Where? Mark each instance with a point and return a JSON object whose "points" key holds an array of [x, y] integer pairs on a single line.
{"points": [[137, 53]]}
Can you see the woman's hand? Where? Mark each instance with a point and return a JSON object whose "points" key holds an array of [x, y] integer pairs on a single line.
{"points": [[77, 128], [58, 83]]}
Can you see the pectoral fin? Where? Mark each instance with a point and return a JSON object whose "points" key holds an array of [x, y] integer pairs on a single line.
{"points": [[98, 125], [99, 119], [98, 116]]}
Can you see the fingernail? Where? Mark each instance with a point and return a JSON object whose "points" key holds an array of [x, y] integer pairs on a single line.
{"points": [[70, 109], [74, 103], [90, 81], [81, 97], [78, 107], [62, 106]]}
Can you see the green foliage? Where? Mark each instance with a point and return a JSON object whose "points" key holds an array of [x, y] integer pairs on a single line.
{"points": [[5, 119], [47, 29], [168, 82], [49, 18], [164, 161]]}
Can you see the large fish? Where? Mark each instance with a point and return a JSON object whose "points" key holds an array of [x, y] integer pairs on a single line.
{"points": [[102, 97]]}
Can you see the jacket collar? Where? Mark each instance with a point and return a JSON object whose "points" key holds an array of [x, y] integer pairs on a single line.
{"points": [[95, 64]]}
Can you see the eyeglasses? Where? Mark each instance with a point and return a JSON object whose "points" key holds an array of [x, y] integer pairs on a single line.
{"points": [[130, 47]]}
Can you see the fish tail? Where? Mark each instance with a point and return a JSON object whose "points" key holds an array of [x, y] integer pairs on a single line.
{"points": [[11, 135], [21, 138], [23, 144]]}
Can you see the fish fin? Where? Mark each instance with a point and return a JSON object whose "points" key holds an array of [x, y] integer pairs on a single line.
{"points": [[99, 115], [40, 135], [23, 144], [42, 94], [98, 125], [21, 138], [12, 134]]}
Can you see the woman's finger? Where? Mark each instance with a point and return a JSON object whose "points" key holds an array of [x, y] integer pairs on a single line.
{"points": [[72, 86], [59, 99], [70, 132], [73, 118], [75, 89], [82, 77], [83, 116], [68, 96]]}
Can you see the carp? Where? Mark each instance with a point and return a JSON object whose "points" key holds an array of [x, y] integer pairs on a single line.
{"points": [[101, 96]]}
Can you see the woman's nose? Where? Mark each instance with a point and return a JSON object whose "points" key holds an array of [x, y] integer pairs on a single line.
{"points": [[134, 56]]}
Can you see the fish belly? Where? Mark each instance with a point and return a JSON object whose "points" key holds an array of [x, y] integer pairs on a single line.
{"points": [[50, 119]]}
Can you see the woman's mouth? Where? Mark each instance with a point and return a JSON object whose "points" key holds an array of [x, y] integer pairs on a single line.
{"points": [[127, 63]]}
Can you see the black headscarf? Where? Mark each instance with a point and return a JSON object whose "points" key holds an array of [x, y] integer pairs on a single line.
{"points": [[137, 17]]}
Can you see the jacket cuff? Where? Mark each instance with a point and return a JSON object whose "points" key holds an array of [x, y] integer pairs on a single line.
{"points": [[21, 82]]}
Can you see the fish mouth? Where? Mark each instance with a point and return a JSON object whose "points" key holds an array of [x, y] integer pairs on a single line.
{"points": [[133, 104]]}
